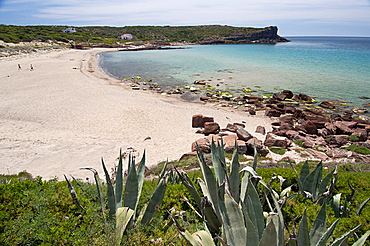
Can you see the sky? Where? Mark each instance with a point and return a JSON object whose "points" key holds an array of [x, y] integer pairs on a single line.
{"points": [[292, 17]]}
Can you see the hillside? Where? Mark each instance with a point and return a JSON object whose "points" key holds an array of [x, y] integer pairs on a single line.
{"points": [[208, 34]]}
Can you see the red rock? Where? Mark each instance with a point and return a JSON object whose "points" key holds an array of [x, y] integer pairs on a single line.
{"points": [[199, 120], [243, 134], [211, 128], [273, 140], [203, 144], [261, 130], [272, 112], [308, 127]]}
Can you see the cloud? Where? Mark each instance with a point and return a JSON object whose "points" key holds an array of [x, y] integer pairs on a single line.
{"points": [[206, 11]]}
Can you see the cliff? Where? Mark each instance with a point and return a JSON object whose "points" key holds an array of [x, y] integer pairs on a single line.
{"points": [[262, 35]]}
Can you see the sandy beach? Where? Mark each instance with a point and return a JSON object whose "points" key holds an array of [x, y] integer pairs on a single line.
{"points": [[65, 115]]}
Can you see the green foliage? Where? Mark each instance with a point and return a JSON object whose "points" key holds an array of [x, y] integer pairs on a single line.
{"points": [[109, 35], [42, 212], [279, 151], [359, 149], [353, 138]]}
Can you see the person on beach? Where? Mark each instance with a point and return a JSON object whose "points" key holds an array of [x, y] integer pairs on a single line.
{"points": [[31, 67], [19, 67]]}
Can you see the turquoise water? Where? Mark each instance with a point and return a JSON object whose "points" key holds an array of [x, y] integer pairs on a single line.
{"points": [[335, 68]]}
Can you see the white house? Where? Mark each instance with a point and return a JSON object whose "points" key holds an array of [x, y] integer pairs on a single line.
{"points": [[126, 36], [69, 30]]}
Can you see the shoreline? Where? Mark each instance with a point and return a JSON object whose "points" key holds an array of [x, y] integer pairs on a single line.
{"points": [[66, 115]]}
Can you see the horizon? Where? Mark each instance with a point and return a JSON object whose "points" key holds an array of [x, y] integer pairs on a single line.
{"points": [[293, 18]]}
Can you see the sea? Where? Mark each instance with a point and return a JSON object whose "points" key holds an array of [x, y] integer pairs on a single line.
{"points": [[326, 68]]}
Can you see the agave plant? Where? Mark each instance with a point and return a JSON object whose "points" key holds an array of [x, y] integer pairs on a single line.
{"points": [[232, 211], [230, 205], [123, 197], [313, 186]]}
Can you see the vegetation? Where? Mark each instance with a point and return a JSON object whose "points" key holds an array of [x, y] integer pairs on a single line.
{"points": [[109, 35], [37, 212]]}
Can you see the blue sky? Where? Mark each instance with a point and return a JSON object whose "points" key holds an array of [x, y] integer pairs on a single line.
{"points": [[293, 17]]}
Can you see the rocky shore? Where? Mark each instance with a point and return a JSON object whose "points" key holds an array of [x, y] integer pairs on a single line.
{"points": [[297, 134], [306, 129]]}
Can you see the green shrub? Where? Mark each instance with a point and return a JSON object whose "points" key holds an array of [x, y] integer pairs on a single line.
{"points": [[280, 151], [353, 138], [359, 149]]}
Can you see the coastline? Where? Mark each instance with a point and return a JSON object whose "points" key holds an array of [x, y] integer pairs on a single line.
{"points": [[67, 114]]}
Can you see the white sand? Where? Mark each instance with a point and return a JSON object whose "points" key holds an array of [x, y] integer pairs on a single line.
{"points": [[61, 117]]}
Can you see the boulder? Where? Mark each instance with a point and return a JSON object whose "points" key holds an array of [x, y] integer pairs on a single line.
{"points": [[308, 127], [289, 94], [278, 96], [339, 140], [361, 134], [198, 120], [303, 97], [211, 128], [326, 104], [319, 121], [203, 144], [254, 142], [290, 109], [339, 153], [317, 154], [342, 128], [273, 140], [243, 134], [261, 130], [234, 127], [229, 145], [272, 112]]}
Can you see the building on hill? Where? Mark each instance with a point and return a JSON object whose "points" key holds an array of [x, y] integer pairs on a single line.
{"points": [[126, 36], [69, 30]]}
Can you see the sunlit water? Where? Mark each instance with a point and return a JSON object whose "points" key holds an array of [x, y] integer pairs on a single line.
{"points": [[329, 68]]}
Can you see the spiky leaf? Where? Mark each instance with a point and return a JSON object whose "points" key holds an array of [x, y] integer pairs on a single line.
{"points": [[123, 217]]}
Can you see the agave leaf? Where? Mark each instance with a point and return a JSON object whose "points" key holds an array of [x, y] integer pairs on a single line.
{"points": [[312, 181], [253, 207], [345, 236], [335, 204], [132, 187], [244, 186], [255, 157], [203, 238], [217, 163], [303, 236], [210, 188], [98, 186], [319, 225], [209, 216], [362, 240], [233, 222], [324, 239], [234, 175], [110, 192], [189, 186], [119, 182], [350, 196], [155, 201], [325, 182], [280, 231], [73, 193], [123, 217], [252, 232], [140, 174], [269, 236], [359, 210], [305, 171]]}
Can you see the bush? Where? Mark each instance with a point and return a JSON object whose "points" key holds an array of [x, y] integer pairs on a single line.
{"points": [[359, 149]]}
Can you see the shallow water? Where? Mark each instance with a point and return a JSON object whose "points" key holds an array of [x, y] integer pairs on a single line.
{"points": [[335, 68]]}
